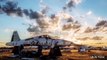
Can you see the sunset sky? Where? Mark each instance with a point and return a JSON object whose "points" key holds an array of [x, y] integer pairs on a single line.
{"points": [[87, 12]]}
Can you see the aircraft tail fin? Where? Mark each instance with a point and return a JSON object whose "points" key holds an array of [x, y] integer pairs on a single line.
{"points": [[15, 36]]}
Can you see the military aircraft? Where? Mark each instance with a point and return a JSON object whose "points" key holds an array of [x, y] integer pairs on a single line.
{"points": [[40, 41]]}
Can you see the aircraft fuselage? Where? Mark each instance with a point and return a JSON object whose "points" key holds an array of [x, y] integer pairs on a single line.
{"points": [[39, 41]]}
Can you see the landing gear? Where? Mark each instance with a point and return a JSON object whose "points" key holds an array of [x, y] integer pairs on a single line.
{"points": [[54, 52], [17, 50], [39, 51]]}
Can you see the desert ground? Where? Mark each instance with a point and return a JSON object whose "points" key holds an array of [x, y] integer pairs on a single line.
{"points": [[66, 55]]}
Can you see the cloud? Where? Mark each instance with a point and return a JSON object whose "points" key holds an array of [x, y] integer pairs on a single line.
{"points": [[91, 38], [11, 0], [71, 3], [102, 23], [8, 30], [90, 18], [61, 23], [89, 13], [88, 30], [77, 1], [38, 22], [44, 8]]}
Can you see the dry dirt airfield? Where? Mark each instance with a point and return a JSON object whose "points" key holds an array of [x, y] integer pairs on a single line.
{"points": [[68, 55]]}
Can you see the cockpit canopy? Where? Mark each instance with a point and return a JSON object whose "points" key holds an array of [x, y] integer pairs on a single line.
{"points": [[42, 36]]}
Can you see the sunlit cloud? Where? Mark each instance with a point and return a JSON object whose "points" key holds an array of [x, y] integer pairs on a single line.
{"points": [[69, 24]]}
